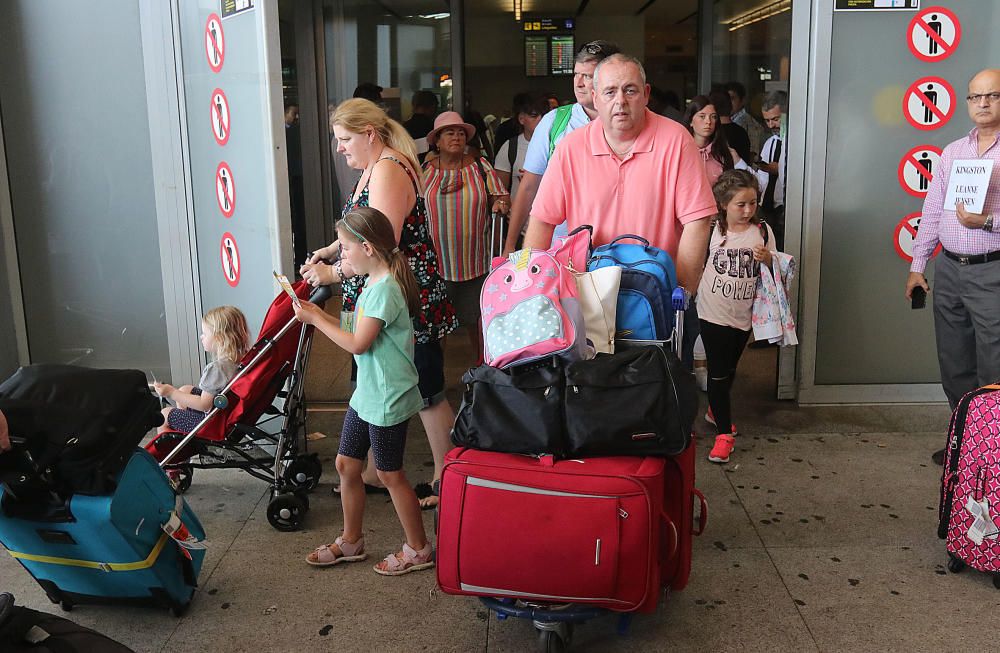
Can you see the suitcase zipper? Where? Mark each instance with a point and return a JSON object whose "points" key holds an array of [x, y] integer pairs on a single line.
{"points": [[509, 487]]}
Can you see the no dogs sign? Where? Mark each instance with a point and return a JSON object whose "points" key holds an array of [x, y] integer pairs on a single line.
{"points": [[917, 168], [933, 34], [929, 103]]}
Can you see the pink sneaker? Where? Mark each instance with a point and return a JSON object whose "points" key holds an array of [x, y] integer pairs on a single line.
{"points": [[724, 444]]}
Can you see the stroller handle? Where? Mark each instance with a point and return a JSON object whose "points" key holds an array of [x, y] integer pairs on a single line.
{"points": [[321, 294]]}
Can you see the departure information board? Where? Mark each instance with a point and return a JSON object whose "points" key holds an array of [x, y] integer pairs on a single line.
{"points": [[536, 56], [562, 54]]}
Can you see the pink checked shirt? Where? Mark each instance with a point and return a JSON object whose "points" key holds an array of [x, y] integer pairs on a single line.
{"points": [[939, 224]]}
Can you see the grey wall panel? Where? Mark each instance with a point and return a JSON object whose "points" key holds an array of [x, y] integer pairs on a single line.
{"points": [[866, 331], [72, 93]]}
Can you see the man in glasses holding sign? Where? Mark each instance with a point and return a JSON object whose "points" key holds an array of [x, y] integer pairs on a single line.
{"points": [[959, 212]]}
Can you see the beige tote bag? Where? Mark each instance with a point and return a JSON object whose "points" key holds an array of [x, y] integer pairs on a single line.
{"points": [[598, 291]]}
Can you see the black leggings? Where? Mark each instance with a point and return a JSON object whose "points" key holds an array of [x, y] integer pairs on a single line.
{"points": [[723, 347]]}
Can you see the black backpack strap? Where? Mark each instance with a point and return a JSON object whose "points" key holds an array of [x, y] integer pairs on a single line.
{"points": [[763, 232], [512, 145]]}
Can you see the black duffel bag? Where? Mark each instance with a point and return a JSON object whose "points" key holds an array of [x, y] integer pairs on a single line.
{"points": [[635, 402], [23, 630], [79, 425], [513, 411]]}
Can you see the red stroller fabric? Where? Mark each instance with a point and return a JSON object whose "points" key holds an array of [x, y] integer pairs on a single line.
{"points": [[253, 392]]}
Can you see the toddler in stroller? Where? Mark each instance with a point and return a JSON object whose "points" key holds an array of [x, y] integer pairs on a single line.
{"points": [[244, 423], [224, 334]]}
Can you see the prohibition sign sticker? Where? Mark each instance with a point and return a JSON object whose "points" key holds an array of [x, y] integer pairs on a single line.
{"points": [[220, 117], [917, 169], [215, 43], [225, 189], [929, 103], [934, 34], [905, 234], [229, 255]]}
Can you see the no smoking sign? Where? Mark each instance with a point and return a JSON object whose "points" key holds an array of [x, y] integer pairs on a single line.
{"points": [[933, 34]]}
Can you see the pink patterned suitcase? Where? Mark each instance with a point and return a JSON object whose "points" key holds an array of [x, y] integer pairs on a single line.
{"points": [[969, 512]]}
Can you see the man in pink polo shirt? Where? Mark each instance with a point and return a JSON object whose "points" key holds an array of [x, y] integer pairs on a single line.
{"points": [[629, 172]]}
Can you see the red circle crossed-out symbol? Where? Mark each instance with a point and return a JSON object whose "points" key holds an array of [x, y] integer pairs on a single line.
{"points": [[225, 189], [933, 34], [929, 103], [220, 117], [215, 43], [229, 254], [917, 169], [904, 235]]}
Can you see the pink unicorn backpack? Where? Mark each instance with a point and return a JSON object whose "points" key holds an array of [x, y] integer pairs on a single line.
{"points": [[530, 306]]}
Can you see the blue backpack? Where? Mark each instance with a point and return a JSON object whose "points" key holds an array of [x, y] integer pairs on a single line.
{"points": [[645, 310]]}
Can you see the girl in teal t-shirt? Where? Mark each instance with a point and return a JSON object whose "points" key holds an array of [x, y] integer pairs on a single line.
{"points": [[386, 397]]}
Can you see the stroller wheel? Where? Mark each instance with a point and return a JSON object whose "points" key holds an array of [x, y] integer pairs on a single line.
{"points": [[285, 512], [181, 477], [304, 472]]}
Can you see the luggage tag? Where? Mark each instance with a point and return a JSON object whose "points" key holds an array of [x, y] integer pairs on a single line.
{"points": [[983, 527], [176, 529]]}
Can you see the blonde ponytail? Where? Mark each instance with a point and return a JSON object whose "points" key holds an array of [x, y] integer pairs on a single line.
{"points": [[357, 114]]}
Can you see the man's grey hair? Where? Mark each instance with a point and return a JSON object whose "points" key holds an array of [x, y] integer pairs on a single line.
{"points": [[775, 99], [621, 57]]}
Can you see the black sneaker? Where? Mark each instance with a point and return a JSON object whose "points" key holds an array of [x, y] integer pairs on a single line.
{"points": [[938, 457]]}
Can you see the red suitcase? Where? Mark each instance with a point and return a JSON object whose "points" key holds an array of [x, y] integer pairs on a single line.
{"points": [[681, 495], [590, 531]]}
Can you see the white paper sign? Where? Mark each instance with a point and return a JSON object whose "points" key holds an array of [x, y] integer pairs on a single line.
{"points": [[968, 182]]}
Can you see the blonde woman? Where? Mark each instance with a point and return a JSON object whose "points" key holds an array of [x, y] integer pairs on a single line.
{"points": [[390, 181]]}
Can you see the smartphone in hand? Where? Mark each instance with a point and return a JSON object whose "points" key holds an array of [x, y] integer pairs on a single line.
{"points": [[918, 298]]}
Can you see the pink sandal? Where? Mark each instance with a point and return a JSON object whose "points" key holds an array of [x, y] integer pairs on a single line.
{"points": [[324, 556], [406, 561]]}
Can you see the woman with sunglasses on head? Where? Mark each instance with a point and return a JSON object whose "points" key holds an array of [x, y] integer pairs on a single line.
{"points": [[462, 191], [390, 181]]}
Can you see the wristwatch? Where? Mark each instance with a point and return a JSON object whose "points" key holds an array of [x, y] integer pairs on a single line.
{"points": [[988, 225]]}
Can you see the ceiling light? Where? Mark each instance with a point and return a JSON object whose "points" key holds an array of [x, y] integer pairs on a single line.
{"points": [[759, 14]]}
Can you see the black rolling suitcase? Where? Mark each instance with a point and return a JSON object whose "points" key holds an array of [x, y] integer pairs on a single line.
{"points": [[79, 426]]}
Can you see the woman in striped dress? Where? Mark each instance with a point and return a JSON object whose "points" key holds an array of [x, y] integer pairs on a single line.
{"points": [[461, 192]]}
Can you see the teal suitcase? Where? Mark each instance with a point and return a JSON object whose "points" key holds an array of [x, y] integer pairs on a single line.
{"points": [[140, 545]]}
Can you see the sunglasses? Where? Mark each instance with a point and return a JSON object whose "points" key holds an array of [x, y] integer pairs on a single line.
{"points": [[594, 48]]}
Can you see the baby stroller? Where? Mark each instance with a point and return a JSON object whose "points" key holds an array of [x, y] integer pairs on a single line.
{"points": [[237, 432]]}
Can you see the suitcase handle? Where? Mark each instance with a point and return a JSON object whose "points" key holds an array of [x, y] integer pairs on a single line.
{"points": [[675, 547], [702, 513]]}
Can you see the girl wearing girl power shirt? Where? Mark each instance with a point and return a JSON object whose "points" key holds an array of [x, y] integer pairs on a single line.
{"points": [[739, 244], [387, 394]]}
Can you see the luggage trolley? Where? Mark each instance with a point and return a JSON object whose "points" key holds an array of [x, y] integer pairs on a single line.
{"points": [[555, 622]]}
